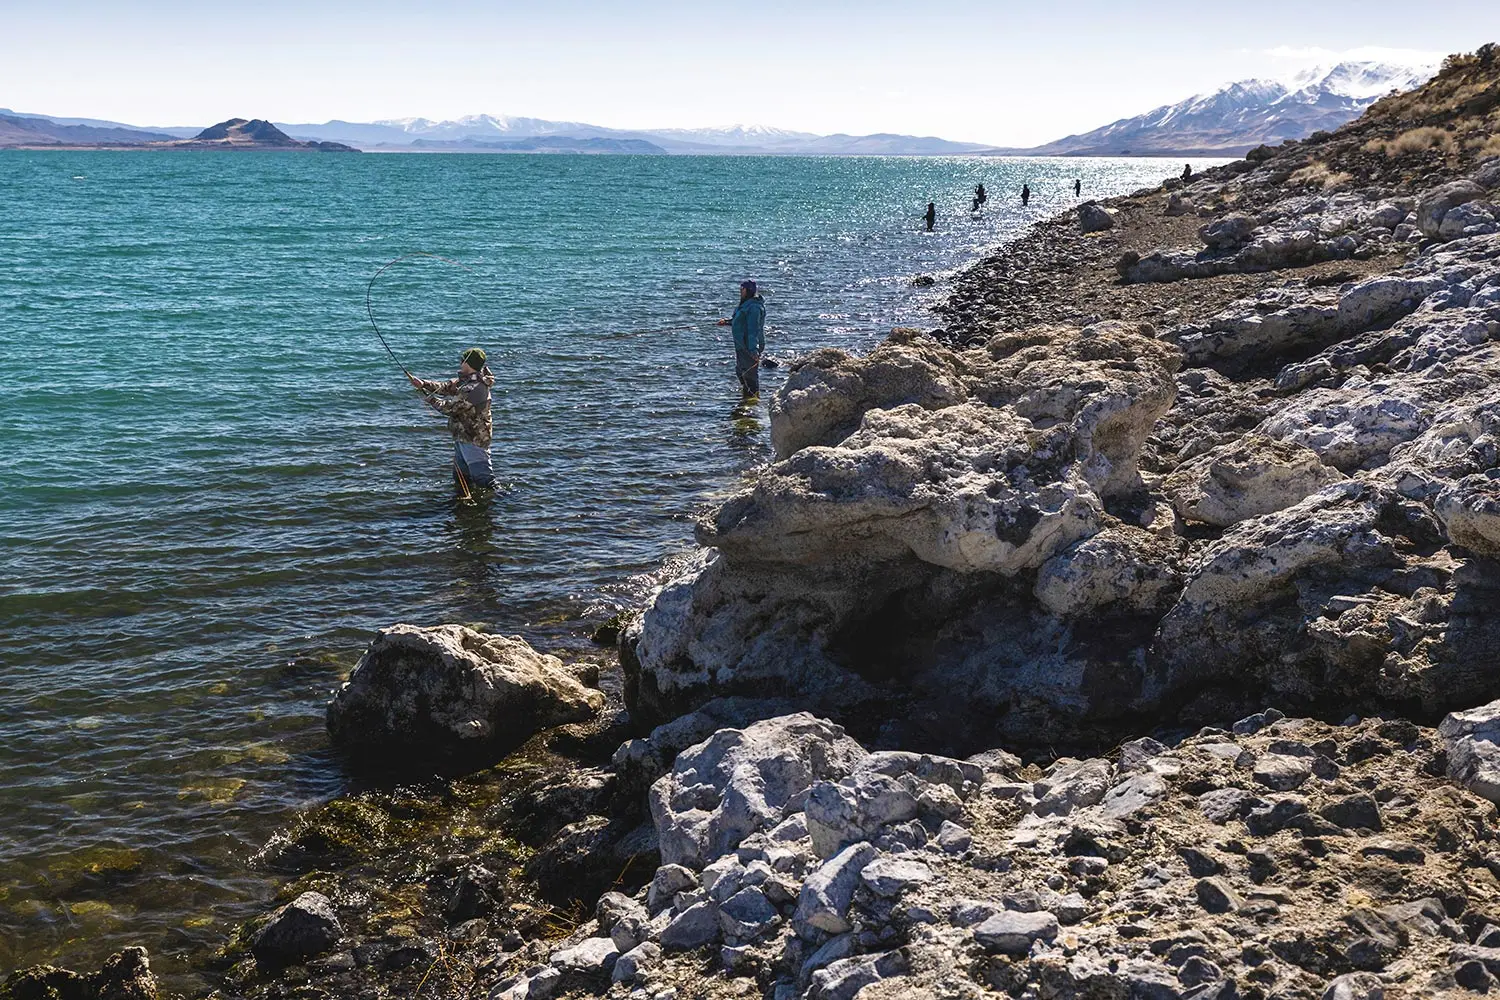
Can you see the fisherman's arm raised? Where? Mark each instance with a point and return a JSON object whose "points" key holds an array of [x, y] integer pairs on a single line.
{"points": [[448, 388]]}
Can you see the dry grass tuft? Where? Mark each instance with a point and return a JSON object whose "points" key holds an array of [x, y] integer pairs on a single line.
{"points": [[1490, 147], [1317, 174], [1416, 140]]}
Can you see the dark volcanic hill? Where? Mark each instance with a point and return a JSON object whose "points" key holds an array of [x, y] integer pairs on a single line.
{"points": [[251, 133], [240, 130]]}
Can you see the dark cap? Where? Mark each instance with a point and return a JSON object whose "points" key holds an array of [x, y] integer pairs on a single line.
{"points": [[473, 357]]}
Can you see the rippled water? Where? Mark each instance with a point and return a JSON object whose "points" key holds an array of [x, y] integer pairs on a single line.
{"points": [[214, 484]]}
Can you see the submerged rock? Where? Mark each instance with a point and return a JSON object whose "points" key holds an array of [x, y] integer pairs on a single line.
{"points": [[449, 691], [303, 928], [125, 975]]}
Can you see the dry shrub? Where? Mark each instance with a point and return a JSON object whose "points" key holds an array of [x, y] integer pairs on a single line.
{"points": [[1417, 140], [1490, 147], [1318, 174]]}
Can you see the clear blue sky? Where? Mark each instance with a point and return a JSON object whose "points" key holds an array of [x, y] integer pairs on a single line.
{"points": [[999, 72]]}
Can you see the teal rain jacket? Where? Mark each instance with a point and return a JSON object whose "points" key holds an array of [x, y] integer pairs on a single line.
{"points": [[749, 326]]}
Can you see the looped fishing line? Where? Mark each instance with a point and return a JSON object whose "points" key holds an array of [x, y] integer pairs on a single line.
{"points": [[370, 288]]}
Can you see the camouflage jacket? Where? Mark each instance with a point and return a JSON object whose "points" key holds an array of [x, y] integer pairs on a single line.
{"points": [[466, 402]]}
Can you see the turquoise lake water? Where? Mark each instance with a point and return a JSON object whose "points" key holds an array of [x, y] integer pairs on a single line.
{"points": [[214, 484]]}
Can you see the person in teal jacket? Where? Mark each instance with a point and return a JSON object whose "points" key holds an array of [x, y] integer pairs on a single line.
{"points": [[749, 323]]}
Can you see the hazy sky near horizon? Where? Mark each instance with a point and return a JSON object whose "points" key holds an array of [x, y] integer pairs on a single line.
{"points": [[998, 72]]}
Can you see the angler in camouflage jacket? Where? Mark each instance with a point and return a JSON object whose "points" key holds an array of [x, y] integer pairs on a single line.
{"points": [[465, 400]]}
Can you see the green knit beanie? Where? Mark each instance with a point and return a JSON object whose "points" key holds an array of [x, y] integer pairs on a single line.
{"points": [[474, 358]]}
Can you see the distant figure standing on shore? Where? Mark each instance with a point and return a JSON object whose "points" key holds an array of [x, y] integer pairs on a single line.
{"points": [[749, 323], [468, 413], [1025, 195], [931, 215], [1077, 188], [1187, 171]]}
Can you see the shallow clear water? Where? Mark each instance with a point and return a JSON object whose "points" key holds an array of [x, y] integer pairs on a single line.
{"points": [[214, 484]]}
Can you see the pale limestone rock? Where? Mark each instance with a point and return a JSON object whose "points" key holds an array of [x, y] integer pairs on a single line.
{"points": [[1245, 478], [450, 690]]}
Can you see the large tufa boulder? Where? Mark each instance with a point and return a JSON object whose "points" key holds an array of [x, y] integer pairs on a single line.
{"points": [[452, 692], [743, 781], [1051, 428], [1437, 203], [1094, 218], [827, 392], [939, 484], [1228, 233], [1470, 512], [1472, 739], [1245, 478], [1072, 408]]}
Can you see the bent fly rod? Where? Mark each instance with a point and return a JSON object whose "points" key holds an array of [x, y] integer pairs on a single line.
{"points": [[370, 288]]}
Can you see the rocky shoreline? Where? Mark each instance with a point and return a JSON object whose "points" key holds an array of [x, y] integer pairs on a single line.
{"points": [[965, 694]]}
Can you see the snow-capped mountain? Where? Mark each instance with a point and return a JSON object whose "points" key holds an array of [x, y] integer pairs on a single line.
{"points": [[1240, 116], [734, 135], [512, 132], [490, 127]]}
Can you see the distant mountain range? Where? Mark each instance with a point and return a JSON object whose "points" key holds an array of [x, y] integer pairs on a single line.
{"points": [[1240, 116], [477, 132], [1228, 122]]}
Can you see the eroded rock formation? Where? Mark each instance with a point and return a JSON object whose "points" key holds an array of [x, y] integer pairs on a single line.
{"points": [[1316, 522]]}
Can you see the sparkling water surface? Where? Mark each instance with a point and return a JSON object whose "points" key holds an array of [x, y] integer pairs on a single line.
{"points": [[214, 484]]}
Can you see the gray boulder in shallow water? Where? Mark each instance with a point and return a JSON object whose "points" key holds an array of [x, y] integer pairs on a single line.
{"points": [[452, 692], [305, 927], [126, 975]]}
